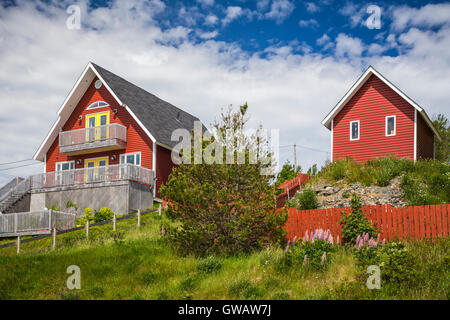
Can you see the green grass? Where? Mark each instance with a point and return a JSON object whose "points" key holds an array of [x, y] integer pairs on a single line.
{"points": [[423, 182], [141, 265]]}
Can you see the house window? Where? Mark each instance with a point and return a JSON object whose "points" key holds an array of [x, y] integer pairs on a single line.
{"points": [[131, 158], [390, 126], [97, 104], [62, 166], [354, 130]]}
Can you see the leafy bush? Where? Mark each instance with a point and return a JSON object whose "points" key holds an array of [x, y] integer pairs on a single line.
{"points": [[355, 223], [307, 199], [103, 214], [53, 207], [397, 263], [209, 265]]}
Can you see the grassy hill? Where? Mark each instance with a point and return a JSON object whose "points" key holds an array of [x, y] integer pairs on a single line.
{"points": [[139, 264]]}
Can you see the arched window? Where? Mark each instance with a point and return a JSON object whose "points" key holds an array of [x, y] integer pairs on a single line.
{"points": [[97, 104]]}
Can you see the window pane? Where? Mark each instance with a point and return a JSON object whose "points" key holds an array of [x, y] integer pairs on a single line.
{"points": [[130, 158], [355, 130], [391, 126], [138, 159]]}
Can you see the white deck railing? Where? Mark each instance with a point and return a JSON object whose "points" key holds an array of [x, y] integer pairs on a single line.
{"points": [[37, 222], [112, 131], [93, 175]]}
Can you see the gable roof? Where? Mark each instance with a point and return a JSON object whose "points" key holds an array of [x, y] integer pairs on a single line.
{"points": [[157, 117], [359, 83]]}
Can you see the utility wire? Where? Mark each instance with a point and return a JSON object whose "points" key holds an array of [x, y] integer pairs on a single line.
{"points": [[304, 147], [15, 161], [25, 165]]}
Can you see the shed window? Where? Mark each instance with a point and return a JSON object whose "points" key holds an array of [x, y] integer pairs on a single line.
{"points": [[354, 130], [97, 104], [390, 126]]}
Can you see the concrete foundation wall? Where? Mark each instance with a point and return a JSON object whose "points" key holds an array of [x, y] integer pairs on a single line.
{"points": [[121, 198]]}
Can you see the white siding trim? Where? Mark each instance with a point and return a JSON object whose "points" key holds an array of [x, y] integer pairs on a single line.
{"points": [[331, 157], [154, 167], [415, 134]]}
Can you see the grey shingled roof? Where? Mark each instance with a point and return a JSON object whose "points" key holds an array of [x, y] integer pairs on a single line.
{"points": [[158, 116]]}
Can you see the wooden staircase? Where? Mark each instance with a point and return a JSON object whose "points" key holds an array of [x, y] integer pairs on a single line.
{"points": [[15, 194]]}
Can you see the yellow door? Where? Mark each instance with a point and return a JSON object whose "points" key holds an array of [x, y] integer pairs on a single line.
{"points": [[96, 169], [97, 126]]}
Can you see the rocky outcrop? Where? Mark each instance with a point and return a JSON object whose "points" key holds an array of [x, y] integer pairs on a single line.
{"points": [[339, 194]]}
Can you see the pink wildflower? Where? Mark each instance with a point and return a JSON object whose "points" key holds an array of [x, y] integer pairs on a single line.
{"points": [[324, 258], [306, 237], [287, 247], [378, 237], [384, 241], [330, 239], [293, 241], [366, 237], [162, 231], [337, 239]]}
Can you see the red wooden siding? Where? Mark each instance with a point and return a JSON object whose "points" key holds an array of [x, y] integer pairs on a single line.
{"points": [[396, 223], [290, 188], [137, 139], [370, 105], [164, 166], [425, 137]]}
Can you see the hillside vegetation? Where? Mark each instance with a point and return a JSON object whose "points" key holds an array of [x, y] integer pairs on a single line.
{"points": [[138, 263], [423, 182]]}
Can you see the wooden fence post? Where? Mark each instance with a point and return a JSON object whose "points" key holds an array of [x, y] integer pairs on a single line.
{"points": [[114, 222], [87, 229], [159, 209], [18, 244], [54, 239], [139, 218]]}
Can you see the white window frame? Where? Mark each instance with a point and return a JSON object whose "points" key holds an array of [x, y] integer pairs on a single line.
{"points": [[359, 130], [95, 105], [386, 126], [129, 154], [63, 162]]}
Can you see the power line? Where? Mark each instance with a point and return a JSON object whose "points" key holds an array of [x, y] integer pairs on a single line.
{"points": [[25, 165], [303, 147], [15, 161]]}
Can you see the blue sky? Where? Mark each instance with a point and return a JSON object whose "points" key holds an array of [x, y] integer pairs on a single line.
{"points": [[290, 60]]}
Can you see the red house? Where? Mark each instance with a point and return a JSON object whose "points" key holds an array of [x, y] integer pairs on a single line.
{"points": [[110, 146], [376, 119]]}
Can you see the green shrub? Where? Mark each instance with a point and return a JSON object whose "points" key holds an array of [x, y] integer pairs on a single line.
{"points": [[307, 199], [355, 223], [53, 207], [398, 264], [314, 252], [209, 265], [103, 214]]}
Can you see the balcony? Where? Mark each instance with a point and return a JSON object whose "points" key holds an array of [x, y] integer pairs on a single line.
{"points": [[90, 140], [92, 177]]}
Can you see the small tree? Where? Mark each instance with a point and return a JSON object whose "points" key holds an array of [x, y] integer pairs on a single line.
{"points": [[442, 147], [225, 207], [355, 223], [307, 199], [288, 172]]}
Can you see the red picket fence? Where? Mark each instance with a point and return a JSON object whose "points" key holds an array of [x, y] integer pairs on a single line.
{"points": [[416, 222]]}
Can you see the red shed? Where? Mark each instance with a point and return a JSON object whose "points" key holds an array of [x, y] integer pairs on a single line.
{"points": [[376, 119]]}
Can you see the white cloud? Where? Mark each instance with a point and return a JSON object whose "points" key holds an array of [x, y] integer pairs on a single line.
{"points": [[209, 35], [232, 13], [427, 16], [206, 2], [211, 19], [40, 60], [280, 10], [311, 7], [325, 42], [307, 23], [348, 47], [355, 12]]}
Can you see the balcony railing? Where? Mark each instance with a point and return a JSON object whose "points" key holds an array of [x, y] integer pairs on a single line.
{"points": [[84, 176], [95, 139]]}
